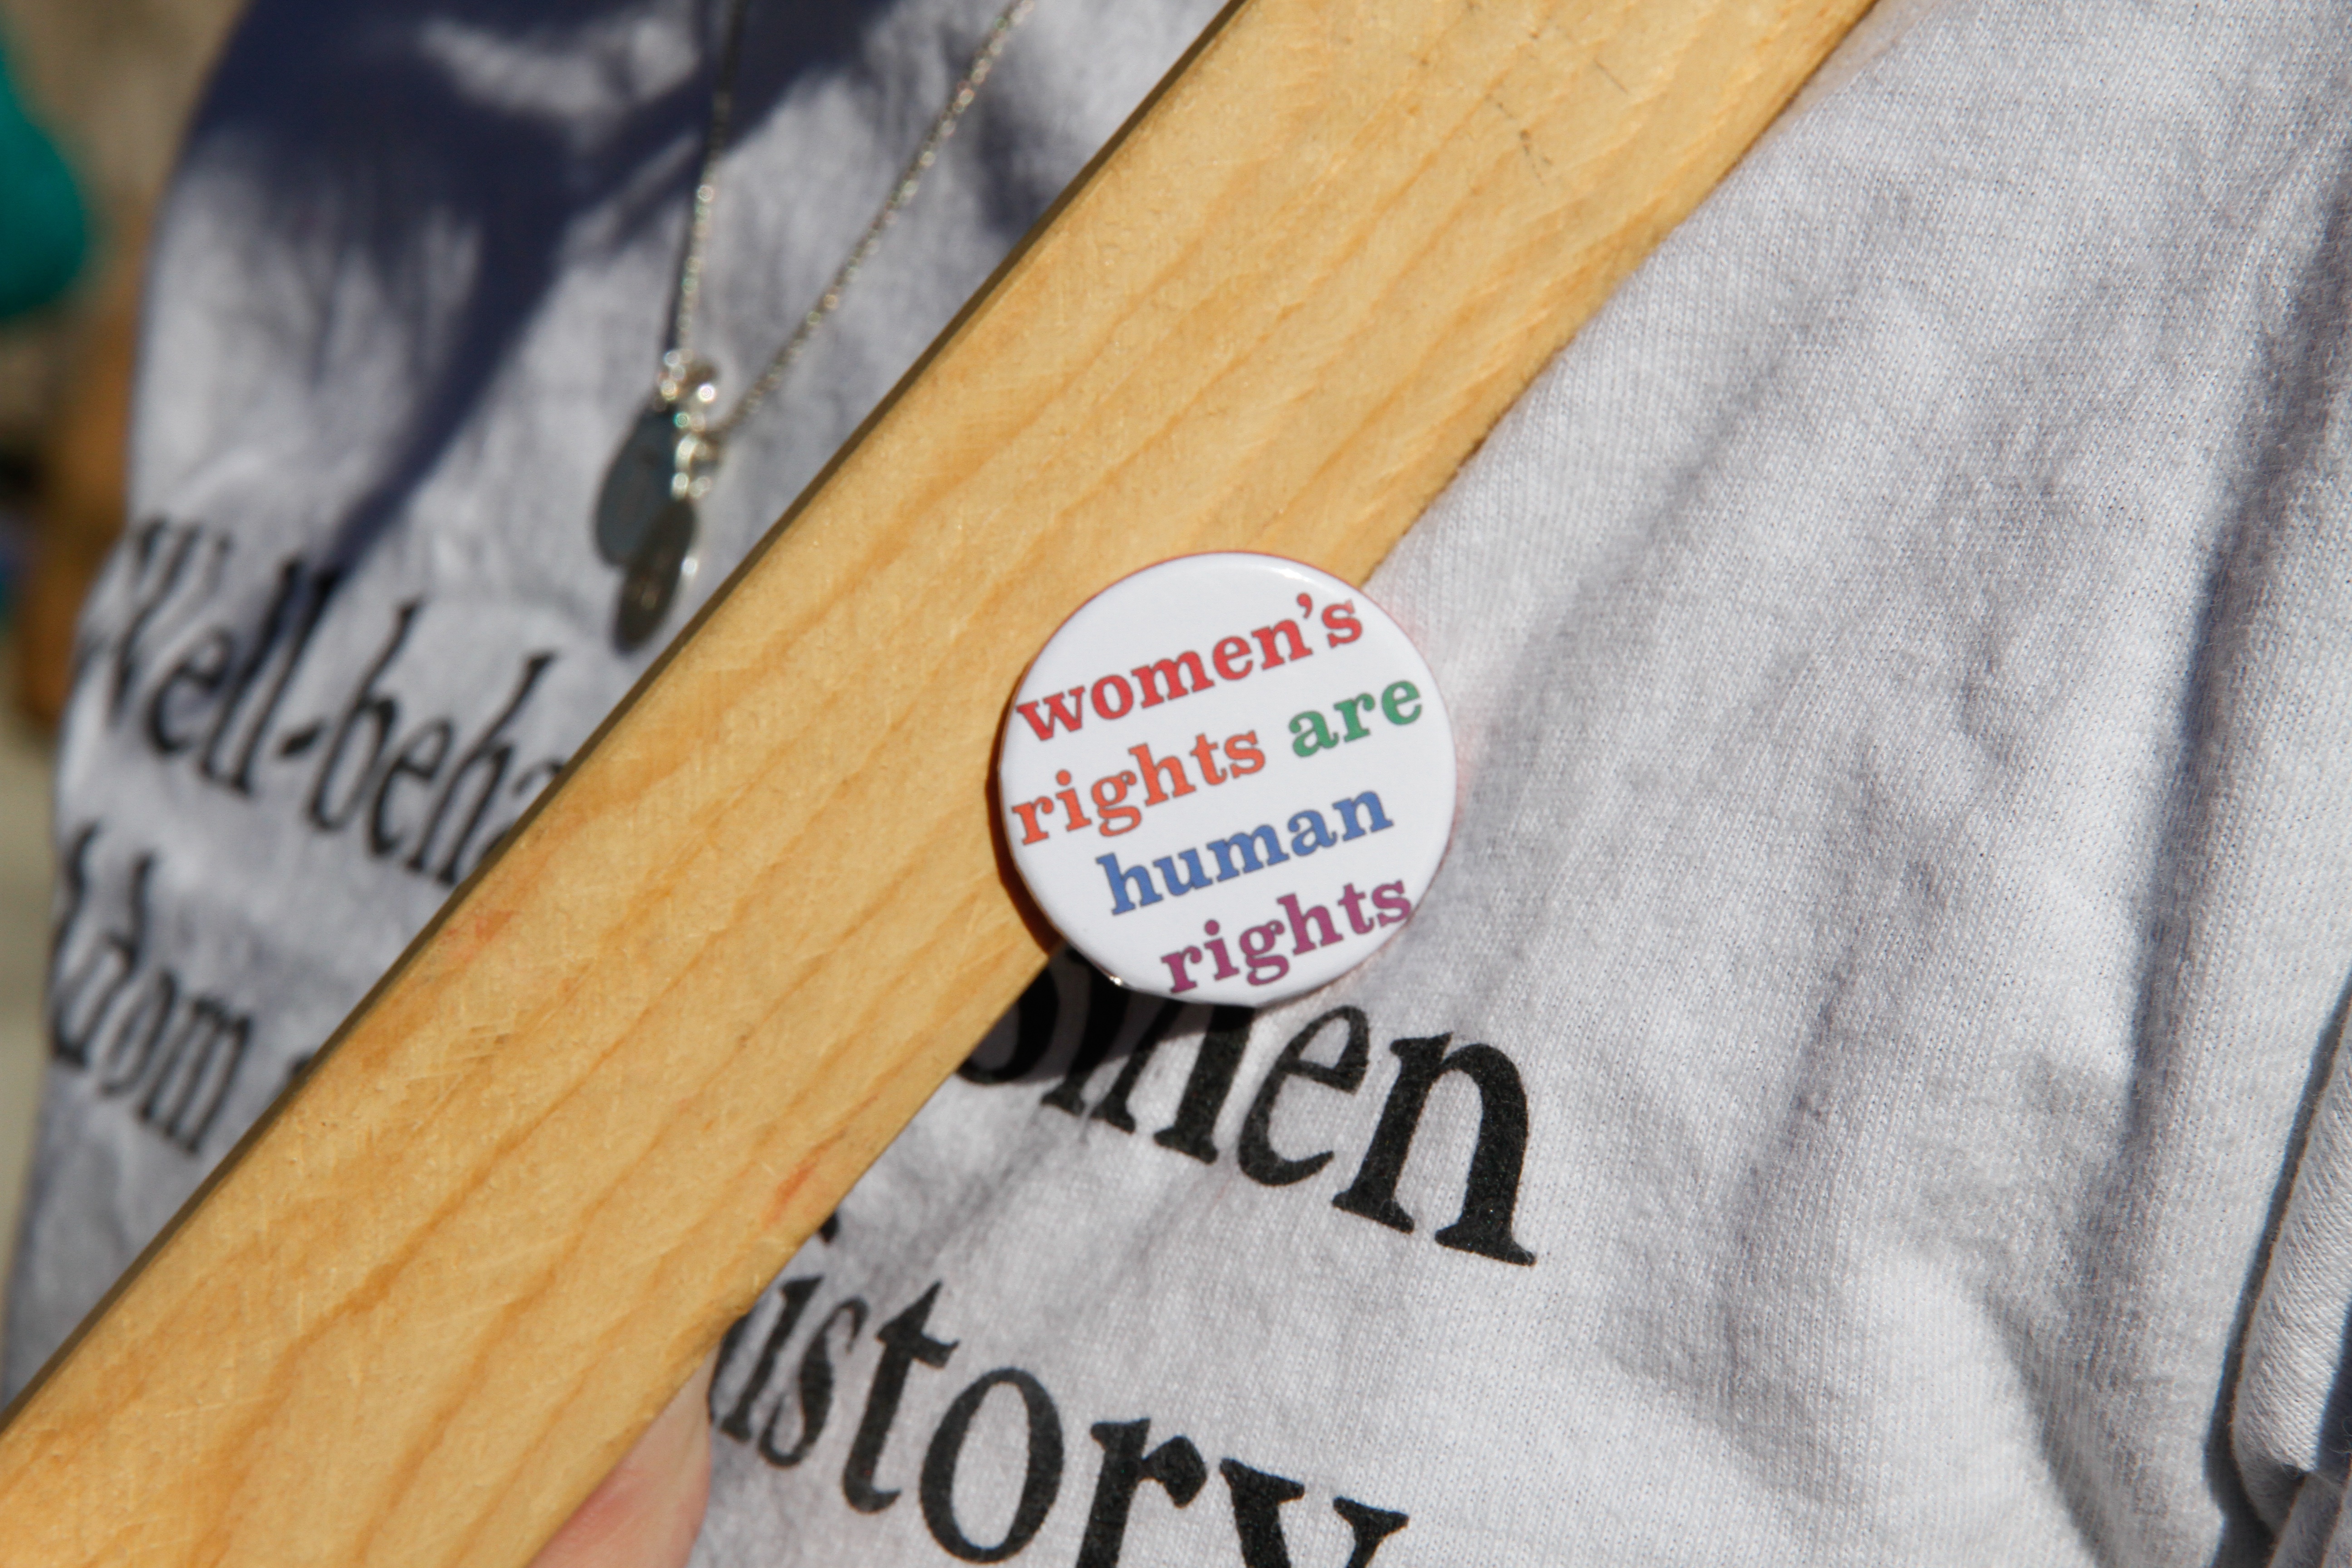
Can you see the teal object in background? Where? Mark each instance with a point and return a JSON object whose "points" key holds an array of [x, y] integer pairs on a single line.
{"points": [[44, 231]]}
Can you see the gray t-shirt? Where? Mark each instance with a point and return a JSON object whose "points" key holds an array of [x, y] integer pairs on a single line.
{"points": [[1863, 1086]]}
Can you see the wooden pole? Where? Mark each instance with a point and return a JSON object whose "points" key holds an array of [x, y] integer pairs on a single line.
{"points": [[644, 1051]]}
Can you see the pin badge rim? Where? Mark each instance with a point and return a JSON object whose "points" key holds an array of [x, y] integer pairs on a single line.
{"points": [[1432, 775]]}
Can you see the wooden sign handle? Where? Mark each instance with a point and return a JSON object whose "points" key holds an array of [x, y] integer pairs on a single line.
{"points": [[645, 1051]]}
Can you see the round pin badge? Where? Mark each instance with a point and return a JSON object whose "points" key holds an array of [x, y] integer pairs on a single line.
{"points": [[1228, 778]]}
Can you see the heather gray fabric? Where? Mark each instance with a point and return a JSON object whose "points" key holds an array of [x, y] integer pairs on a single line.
{"points": [[1864, 1088]]}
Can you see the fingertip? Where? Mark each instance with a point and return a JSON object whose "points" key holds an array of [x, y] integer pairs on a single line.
{"points": [[648, 1510]]}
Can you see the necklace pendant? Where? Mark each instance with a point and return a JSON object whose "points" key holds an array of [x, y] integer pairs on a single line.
{"points": [[638, 484], [646, 520], [669, 454]]}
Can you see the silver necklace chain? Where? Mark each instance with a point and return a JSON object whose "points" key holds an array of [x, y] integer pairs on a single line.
{"points": [[646, 510], [679, 369], [645, 519]]}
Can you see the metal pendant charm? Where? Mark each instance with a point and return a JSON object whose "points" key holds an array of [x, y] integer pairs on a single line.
{"points": [[662, 566], [641, 481], [645, 513], [669, 454]]}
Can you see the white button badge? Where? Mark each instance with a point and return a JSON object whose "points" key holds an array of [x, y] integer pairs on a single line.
{"points": [[1227, 778]]}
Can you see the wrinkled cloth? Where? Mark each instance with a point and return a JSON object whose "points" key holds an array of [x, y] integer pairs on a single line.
{"points": [[1865, 1085]]}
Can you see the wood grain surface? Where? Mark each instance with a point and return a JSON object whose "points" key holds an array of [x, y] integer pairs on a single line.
{"points": [[644, 1053]]}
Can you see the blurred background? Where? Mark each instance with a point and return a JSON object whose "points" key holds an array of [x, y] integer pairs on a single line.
{"points": [[93, 95]]}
